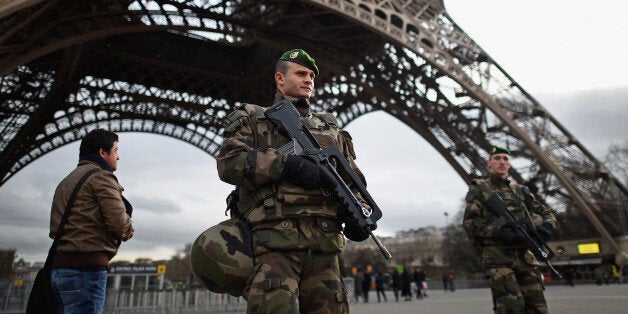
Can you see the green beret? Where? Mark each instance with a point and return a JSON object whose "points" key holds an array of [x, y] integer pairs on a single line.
{"points": [[499, 150], [301, 57]]}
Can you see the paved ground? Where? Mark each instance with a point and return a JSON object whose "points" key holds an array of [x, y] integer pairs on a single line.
{"points": [[611, 299]]}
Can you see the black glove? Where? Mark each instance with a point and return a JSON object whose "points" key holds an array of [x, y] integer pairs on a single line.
{"points": [[508, 236], [545, 231], [303, 172], [355, 233]]}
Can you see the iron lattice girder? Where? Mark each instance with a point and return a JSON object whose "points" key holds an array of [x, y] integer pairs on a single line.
{"points": [[178, 67]]}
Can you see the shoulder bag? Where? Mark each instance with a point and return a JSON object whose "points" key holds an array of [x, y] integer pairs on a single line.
{"points": [[41, 299]]}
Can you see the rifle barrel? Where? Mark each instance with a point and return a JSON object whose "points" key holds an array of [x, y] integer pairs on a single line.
{"points": [[381, 247]]}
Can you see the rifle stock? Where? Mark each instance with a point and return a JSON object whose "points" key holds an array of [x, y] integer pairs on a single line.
{"points": [[286, 118], [534, 243]]}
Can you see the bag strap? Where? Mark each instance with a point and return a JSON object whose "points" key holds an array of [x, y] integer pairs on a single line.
{"points": [[64, 219]]}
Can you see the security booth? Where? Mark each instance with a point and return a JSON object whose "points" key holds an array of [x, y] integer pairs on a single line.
{"points": [[136, 277]]}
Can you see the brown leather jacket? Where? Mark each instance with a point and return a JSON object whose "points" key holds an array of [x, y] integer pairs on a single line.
{"points": [[97, 223]]}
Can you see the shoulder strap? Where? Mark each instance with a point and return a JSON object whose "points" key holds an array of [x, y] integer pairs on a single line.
{"points": [[483, 184], [259, 125], [327, 118], [66, 213], [256, 110], [527, 199], [523, 193]]}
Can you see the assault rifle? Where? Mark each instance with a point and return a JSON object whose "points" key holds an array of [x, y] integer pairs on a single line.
{"points": [[357, 217], [527, 232]]}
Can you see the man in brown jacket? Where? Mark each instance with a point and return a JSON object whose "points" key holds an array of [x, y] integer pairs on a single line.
{"points": [[99, 220]]}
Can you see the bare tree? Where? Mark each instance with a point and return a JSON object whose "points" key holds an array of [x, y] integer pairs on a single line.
{"points": [[179, 268], [459, 254], [7, 257], [617, 161]]}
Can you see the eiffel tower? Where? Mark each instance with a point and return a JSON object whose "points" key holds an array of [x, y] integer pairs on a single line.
{"points": [[178, 67]]}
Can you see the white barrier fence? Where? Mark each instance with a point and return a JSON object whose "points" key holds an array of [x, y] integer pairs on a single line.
{"points": [[171, 301], [163, 301]]}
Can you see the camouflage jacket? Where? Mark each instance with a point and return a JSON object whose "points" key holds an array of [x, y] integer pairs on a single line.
{"points": [[481, 223], [248, 159]]}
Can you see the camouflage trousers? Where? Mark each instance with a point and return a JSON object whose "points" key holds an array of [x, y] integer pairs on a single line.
{"points": [[516, 290], [296, 282]]}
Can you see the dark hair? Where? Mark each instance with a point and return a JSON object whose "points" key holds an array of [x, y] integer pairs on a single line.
{"points": [[97, 139], [281, 66]]}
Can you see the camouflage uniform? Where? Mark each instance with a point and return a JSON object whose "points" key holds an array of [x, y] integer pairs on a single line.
{"points": [[296, 233], [512, 271]]}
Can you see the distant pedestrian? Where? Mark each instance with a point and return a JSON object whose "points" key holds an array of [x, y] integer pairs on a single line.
{"points": [[424, 278], [598, 276], [615, 274], [406, 283], [445, 279], [396, 284], [379, 287], [606, 274], [366, 286], [624, 271], [568, 275], [450, 281], [418, 276], [358, 284]]}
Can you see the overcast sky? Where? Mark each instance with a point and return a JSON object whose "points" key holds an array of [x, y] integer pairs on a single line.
{"points": [[570, 55]]}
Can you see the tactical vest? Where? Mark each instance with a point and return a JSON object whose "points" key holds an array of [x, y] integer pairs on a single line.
{"points": [[282, 199], [514, 200]]}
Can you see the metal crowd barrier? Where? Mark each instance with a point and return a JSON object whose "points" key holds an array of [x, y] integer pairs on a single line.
{"points": [[166, 301]]}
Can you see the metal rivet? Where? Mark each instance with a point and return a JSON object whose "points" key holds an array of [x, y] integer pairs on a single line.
{"points": [[284, 224], [324, 224]]}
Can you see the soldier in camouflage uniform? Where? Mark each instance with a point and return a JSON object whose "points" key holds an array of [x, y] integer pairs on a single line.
{"points": [[511, 269], [294, 220]]}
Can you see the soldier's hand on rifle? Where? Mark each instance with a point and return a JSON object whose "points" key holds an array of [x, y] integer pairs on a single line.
{"points": [[303, 172], [507, 235], [545, 231], [355, 233]]}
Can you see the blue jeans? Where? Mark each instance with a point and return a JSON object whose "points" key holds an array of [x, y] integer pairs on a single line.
{"points": [[79, 291]]}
